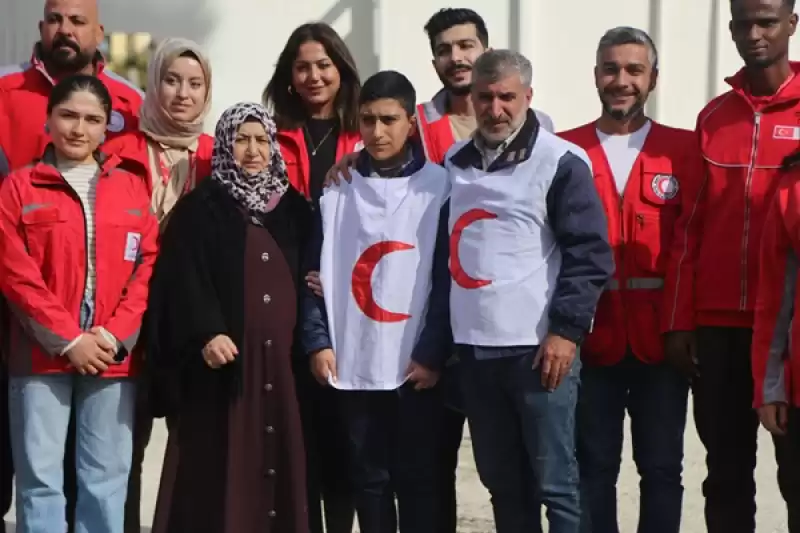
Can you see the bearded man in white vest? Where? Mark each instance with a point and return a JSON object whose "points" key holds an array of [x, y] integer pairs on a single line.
{"points": [[529, 257]]}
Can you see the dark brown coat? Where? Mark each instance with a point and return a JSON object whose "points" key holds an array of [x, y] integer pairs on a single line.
{"points": [[235, 460]]}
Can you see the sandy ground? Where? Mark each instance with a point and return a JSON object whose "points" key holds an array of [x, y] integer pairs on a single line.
{"points": [[476, 512]]}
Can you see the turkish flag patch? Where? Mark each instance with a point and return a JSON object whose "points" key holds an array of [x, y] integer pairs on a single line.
{"points": [[789, 133]]}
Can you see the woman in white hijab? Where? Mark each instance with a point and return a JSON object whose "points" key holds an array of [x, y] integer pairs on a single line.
{"points": [[171, 152]]}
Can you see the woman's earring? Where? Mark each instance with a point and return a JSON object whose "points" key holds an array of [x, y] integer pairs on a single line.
{"points": [[291, 89]]}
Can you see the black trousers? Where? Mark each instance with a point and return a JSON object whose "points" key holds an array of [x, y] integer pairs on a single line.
{"points": [[787, 453], [70, 474], [452, 433], [393, 451], [330, 496], [142, 430], [6, 465], [728, 425]]}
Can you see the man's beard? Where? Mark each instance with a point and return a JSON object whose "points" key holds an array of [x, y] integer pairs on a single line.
{"points": [[60, 59], [760, 64], [455, 90], [625, 114], [461, 90]]}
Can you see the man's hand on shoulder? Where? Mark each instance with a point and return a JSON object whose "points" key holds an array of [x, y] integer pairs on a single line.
{"points": [[341, 170]]}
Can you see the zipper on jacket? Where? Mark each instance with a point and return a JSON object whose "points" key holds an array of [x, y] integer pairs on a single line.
{"points": [[85, 239], [746, 230], [621, 267]]}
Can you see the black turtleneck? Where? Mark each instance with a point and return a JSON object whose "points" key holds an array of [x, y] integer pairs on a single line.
{"points": [[321, 135]]}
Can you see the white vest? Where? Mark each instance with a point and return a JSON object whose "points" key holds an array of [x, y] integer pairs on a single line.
{"points": [[504, 260], [377, 299]]}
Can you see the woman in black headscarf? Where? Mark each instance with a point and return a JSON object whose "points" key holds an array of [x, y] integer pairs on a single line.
{"points": [[221, 322]]}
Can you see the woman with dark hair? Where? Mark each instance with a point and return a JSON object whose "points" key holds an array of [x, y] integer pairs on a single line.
{"points": [[77, 247], [313, 95], [221, 320]]}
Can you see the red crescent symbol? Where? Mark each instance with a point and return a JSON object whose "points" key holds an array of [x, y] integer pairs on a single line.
{"points": [[456, 270], [362, 281]]}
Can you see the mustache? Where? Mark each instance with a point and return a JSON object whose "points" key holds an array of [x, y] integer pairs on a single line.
{"points": [[60, 41], [455, 67], [616, 92]]}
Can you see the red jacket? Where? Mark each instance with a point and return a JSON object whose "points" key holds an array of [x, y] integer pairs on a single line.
{"points": [[132, 150], [24, 90], [743, 141], [661, 187], [776, 332], [43, 262], [295, 154], [436, 132]]}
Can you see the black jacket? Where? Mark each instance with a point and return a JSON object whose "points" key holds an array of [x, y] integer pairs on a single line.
{"points": [[197, 288]]}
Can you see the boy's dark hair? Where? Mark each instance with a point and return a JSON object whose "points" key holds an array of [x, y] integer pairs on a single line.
{"points": [[446, 18], [392, 85]]}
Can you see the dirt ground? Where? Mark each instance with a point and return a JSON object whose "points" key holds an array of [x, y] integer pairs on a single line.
{"points": [[476, 512]]}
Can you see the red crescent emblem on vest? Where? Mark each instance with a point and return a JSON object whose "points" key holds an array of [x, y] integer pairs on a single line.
{"points": [[361, 284], [463, 279]]}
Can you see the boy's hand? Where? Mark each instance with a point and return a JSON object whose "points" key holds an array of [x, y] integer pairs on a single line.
{"points": [[314, 283], [423, 377], [323, 364]]}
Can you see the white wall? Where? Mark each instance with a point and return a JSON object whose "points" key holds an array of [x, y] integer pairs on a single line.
{"points": [[244, 38]]}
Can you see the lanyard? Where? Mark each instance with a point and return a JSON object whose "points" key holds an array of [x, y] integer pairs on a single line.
{"points": [[166, 171]]}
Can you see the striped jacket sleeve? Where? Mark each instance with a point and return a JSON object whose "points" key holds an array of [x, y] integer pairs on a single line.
{"points": [[679, 311], [39, 311], [774, 307]]}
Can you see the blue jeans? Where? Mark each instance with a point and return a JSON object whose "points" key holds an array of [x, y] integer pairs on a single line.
{"points": [[655, 396], [39, 409], [523, 438]]}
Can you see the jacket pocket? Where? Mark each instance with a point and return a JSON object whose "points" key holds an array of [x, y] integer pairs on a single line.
{"points": [[654, 220], [44, 230]]}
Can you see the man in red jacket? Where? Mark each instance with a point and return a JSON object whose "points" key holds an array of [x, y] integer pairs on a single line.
{"points": [[70, 35], [647, 175], [776, 334], [744, 136]]}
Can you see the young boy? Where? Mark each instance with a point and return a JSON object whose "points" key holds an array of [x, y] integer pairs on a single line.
{"points": [[381, 333]]}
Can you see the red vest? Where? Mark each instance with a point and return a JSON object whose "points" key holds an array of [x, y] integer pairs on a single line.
{"points": [[641, 226], [435, 130]]}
